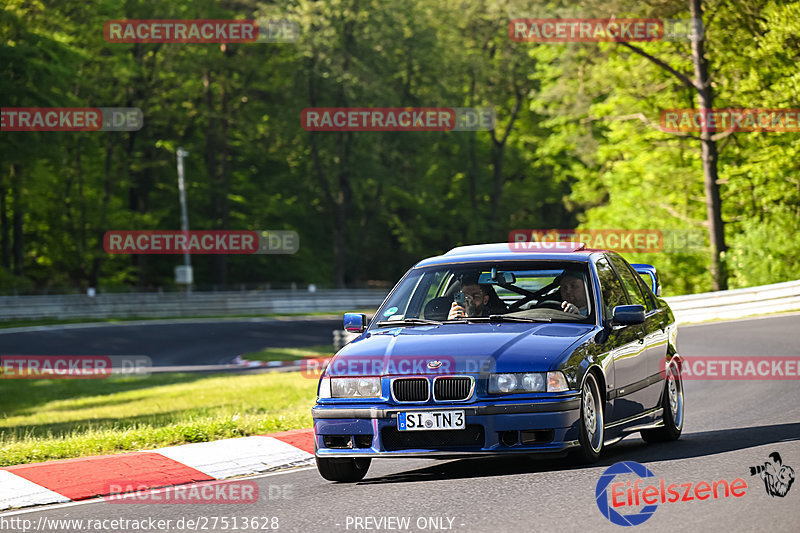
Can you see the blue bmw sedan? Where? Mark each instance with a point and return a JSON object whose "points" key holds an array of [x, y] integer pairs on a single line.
{"points": [[503, 349]]}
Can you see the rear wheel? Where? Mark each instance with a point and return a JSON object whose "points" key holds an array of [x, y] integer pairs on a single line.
{"points": [[672, 403], [591, 428], [347, 470]]}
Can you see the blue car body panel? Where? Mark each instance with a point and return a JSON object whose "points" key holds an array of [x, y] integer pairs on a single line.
{"points": [[543, 422]]}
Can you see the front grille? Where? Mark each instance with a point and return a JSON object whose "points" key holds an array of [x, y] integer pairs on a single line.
{"points": [[453, 389], [448, 439], [410, 389]]}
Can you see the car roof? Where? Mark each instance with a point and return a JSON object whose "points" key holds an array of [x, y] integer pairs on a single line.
{"points": [[504, 251]]}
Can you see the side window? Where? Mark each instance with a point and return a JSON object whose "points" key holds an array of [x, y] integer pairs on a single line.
{"points": [[628, 280], [613, 293], [426, 292], [649, 297]]}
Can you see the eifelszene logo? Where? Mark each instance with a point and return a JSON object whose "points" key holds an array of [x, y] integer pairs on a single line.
{"points": [[778, 477], [614, 495], [601, 494]]}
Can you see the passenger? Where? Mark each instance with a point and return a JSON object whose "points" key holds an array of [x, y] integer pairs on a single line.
{"points": [[573, 292]]}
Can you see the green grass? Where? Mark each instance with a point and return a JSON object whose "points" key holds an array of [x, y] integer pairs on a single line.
{"points": [[42, 420], [290, 354]]}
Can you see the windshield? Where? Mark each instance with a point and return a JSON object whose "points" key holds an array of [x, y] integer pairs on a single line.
{"points": [[546, 291]]}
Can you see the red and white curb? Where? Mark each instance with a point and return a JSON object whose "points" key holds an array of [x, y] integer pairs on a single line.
{"points": [[90, 477]]}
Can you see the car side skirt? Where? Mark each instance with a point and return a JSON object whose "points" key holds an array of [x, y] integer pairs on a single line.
{"points": [[648, 420]]}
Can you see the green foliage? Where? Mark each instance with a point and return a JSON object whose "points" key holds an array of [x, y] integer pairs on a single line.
{"points": [[580, 150]]}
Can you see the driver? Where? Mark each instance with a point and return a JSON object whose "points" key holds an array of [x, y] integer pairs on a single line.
{"points": [[573, 293], [476, 298]]}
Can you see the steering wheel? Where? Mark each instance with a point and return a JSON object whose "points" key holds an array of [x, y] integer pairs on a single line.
{"points": [[549, 304]]}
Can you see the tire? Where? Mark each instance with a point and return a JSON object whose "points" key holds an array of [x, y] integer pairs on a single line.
{"points": [[592, 431], [673, 405], [347, 470]]}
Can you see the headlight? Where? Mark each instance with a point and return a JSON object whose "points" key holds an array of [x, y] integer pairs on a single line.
{"points": [[355, 387], [556, 382], [533, 382], [505, 382], [527, 382], [369, 387]]}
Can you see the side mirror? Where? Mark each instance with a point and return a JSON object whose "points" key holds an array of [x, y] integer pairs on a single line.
{"points": [[627, 315], [355, 322]]}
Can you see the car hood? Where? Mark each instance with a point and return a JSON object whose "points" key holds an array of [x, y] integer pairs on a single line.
{"points": [[495, 347]]}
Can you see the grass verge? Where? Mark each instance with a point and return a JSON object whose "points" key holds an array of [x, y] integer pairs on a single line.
{"points": [[290, 354], [43, 420]]}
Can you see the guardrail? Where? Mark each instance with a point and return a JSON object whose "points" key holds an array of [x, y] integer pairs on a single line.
{"points": [[188, 305], [692, 308], [736, 303]]}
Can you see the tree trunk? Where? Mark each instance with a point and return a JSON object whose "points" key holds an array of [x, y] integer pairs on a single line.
{"points": [[16, 219], [5, 237], [705, 96], [498, 152], [97, 261], [716, 228], [343, 202], [475, 226], [222, 203]]}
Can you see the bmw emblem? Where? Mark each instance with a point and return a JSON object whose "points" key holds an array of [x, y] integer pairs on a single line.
{"points": [[434, 364]]}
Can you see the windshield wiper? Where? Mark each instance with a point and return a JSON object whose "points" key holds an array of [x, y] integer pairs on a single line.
{"points": [[409, 322], [507, 318]]}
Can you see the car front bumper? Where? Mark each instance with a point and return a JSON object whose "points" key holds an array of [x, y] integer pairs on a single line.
{"points": [[540, 426]]}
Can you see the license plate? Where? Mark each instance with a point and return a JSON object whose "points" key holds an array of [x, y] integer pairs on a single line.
{"points": [[430, 420]]}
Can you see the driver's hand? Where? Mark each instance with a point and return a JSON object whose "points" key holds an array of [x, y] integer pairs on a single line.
{"points": [[456, 311], [570, 308]]}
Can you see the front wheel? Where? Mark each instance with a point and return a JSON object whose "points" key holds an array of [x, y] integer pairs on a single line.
{"points": [[346, 470], [672, 404], [591, 431]]}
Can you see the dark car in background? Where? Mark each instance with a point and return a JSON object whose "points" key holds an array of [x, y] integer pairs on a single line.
{"points": [[491, 349]]}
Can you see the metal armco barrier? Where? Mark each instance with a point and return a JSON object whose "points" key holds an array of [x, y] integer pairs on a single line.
{"points": [[189, 305], [735, 303], [341, 338]]}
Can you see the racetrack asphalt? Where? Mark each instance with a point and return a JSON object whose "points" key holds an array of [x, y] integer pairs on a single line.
{"points": [[730, 426], [176, 343]]}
